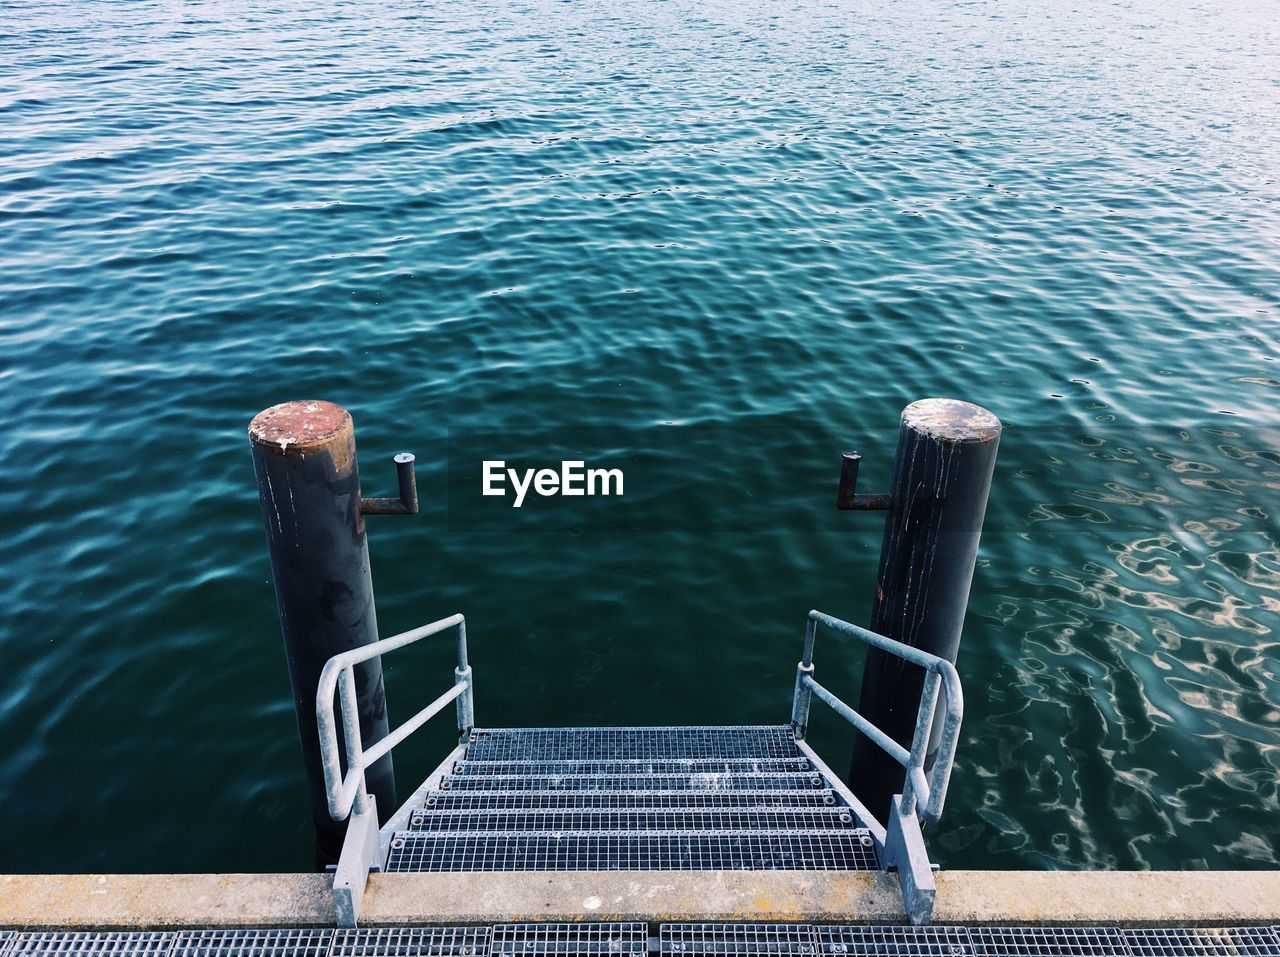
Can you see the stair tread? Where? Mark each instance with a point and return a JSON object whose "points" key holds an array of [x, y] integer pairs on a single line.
{"points": [[470, 766], [628, 832], [762, 741], [846, 849], [659, 819], [814, 797], [699, 781]]}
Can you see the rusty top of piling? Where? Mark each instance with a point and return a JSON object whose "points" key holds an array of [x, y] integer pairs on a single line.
{"points": [[308, 424], [952, 421]]}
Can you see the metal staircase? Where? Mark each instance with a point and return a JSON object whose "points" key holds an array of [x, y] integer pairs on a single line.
{"points": [[635, 799], [681, 799]]}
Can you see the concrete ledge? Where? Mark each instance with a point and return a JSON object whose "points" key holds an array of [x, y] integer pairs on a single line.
{"points": [[1134, 898], [964, 897], [132, 901]]}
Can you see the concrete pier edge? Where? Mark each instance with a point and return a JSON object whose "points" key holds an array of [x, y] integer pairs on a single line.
{"points": [[174, 901]]}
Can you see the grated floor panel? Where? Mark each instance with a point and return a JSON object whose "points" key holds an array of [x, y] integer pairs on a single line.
{"points": [[778, 850], [634, 820], [869, 941], [1256, 941], [411, 942], [91, 944], [603, 939], [567, 744], [1046, 941], [597, 800], [253, 943], [696, 940], [1179, 942], [639, 782]]}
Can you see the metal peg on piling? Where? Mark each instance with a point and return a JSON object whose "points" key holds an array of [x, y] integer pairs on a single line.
{"points": [[407, 503], [847, 497]]}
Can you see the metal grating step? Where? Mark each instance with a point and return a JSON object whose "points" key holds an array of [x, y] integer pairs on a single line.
{"points": [[90, 944], [850, 849], [637, 782], [706, 940], [411, 942], [568, 744], [596, 800], [533, 940], [863, 941], [253, 943], [638, 766], [1047, 942], [661, 819]]}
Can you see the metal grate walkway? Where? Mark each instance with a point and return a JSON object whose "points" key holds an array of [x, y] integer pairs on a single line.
{"points": [[637, 799], [671, 940]]}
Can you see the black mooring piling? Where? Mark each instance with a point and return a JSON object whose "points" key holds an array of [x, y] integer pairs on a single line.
{"points": [[304, 454], [941, 477]]}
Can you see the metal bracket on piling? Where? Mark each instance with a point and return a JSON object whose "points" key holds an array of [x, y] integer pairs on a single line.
{"points": [[407, 503], [847, 499]]}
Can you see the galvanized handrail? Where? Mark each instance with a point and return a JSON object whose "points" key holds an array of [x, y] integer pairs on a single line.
{"points": [[920, 792], [348, 793]]}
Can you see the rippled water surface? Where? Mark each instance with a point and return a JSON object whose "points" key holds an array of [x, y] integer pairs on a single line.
{"points": [[743, 235]]}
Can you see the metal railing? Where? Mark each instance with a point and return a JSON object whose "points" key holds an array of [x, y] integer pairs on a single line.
{"points": [[921, 793], [347, 793]]}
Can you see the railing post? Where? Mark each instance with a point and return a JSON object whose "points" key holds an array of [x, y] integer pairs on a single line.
{"points": [[941, 477], [466, 701], [800, 702], [803, 697], [304, 455]]}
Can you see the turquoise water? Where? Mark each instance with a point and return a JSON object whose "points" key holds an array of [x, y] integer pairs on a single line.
{"points": [[736, 238]]}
